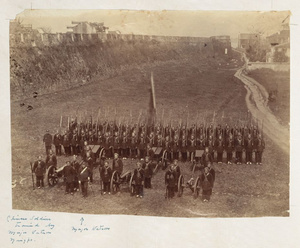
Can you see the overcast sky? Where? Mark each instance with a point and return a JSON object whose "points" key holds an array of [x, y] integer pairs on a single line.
{"points": [[177, 23]]}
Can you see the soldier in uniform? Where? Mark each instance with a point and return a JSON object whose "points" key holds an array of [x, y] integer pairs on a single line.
{"points": [[150, 152], [48, 141], [90, 164], [51, 159], [74, 142], [168, 147], [148, 169], [39, 168], [151, 139], [124, 145], [105, 174], [192, 147], [175, 148], [170, 180], [259, 145], [84, 178], [219, 147], [117, 143], [142, 145], [138, 179], [183, 147], [76, 167], [83, 140], [239, 148], [206, 157], [210, 145], [108, 145], [117, 164], [249, 149], [207, 184], [229, 148], [201, 142], [69, 174], [57, 143], [177, 173], [66, 143], [133, 145]]}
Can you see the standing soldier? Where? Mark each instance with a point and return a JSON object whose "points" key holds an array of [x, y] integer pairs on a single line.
{"points": [[105, 174], [259, 145], [117, 143], [133, 145], [175, 148], [108, 145], [201, 142], [249, 149], [210, 145], [192, 147], [177, 173], [74, 142], [83, 139], [206, 157], [239, 148], [229, 148], [207, 184], [138, 179], [124, 145], [66, 143], [170, 180], [57, 143], [219, 147], [69, 174], [183, 147], [84, 178], [148, 169], [142, 145], [90, 164], [151, 139], [51, 159], [76, 167], [168, 147], [48, 141], [39, 168], [117, 164]]}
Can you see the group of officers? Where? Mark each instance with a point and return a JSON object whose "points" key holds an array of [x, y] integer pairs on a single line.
{"points": [[180, 142]]}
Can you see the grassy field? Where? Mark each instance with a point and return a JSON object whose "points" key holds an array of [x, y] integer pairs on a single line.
{"points": [[187, 87], [280, 82]]}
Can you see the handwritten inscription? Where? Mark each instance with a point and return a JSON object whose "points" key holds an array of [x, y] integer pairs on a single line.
{"points": [[85, 227], [24, 230]]}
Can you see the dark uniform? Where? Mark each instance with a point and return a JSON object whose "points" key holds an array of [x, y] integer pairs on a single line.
{"points": [[105, 173], [206, 158], [90, 165], [219, 147], [138, 180], [66, 143], [39, 168], [76, 167], [170, 181], [259, 146], [84, 180], [249, 149], [69, 174], [57, 139], [239, 149], [48, 141], [148, 169], [207, 185], [229, 149]]}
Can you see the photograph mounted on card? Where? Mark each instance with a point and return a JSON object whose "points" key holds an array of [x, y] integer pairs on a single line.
{"points": [[151, 113]]}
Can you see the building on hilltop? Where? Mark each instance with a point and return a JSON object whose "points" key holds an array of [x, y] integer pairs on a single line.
{"points": [[245, 41], [279, 45], [88, 28]]}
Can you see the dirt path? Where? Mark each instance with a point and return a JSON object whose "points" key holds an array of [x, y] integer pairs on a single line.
{"points": [[257, 103]]}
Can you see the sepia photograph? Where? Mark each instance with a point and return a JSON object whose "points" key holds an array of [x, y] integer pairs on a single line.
{"points": [[173, 113]]}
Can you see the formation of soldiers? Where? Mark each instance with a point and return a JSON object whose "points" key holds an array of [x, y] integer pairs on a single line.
{"points": [[122, 140], [180, 142]]}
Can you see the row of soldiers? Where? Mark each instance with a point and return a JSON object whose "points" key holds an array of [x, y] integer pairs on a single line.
{"points": [[179, 142]]}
